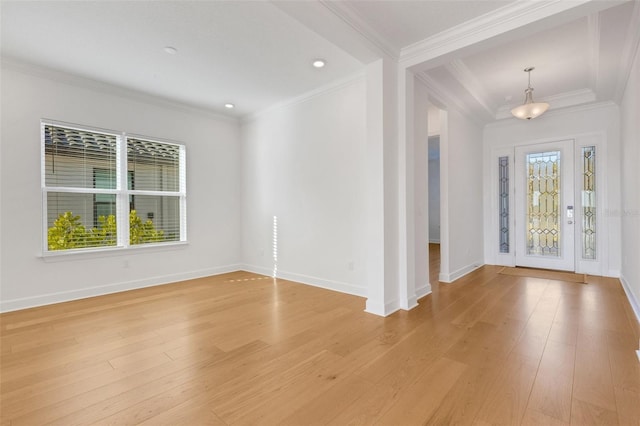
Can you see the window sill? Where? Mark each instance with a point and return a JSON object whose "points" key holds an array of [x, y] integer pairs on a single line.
{"points": [[102, 252]]}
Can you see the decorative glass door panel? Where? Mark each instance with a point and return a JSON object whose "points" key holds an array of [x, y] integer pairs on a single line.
{"points": [[544, 205]]}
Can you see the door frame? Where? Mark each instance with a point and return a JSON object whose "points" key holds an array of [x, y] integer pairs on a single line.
{"points": [[492, 153], [565, 261]]}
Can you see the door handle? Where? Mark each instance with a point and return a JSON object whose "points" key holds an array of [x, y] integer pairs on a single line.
{"points": [[570, 222]]}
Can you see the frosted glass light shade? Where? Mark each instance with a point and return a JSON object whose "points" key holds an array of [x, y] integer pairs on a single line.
{"points": [[529, 109]]}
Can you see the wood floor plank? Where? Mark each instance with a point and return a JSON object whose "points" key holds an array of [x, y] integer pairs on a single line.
{"points": [[34, 395], [508, 395], [585, 414], [67, 399], [423, 397], [593, 381], [340, 397], [398, 368], [276, 396], [228, 379], [625, 369], [552, 390], [367, 408], [628, 407], [536, 418], [461, 404], [551, 395], [189, 412], [242, 348]]}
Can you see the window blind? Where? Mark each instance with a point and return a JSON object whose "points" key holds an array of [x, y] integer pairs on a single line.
{"points": [[88, 203], [71, 156]]}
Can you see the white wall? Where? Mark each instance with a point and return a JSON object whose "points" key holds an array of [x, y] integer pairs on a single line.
{"points": [[212, 190], [422, 206], [596, 124], [630, 159], [434, 120], [305, 163], [462, 203]]}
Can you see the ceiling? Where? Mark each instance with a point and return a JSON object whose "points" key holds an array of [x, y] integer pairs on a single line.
{"points": [[255, 54], [250, 54]]}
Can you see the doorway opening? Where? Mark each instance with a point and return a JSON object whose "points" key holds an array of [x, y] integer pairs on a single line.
{"points": [[434, 207], [437, 124]]}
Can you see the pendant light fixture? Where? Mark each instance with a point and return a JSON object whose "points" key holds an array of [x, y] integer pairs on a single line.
{"points": [[529, 109]]}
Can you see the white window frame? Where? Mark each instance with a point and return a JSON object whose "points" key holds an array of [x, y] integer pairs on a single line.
{"points": [[121, 192]]}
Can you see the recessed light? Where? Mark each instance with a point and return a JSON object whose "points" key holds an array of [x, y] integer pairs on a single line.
{"points": [[170, 50], [229, 106], [319, 63]]}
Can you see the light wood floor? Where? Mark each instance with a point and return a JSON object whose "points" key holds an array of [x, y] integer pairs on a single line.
{"points": [[245, 349]]}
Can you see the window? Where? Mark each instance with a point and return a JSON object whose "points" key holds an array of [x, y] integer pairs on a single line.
{"points": [[103, 189], [102, 204], [589, 202], [503, 206]]}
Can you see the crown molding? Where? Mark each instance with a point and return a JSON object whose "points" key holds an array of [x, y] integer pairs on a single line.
{"points": [[107, 88], [561, 100], [630, 51], [509, 17], [328, 88], [353, 19], [459, 70]]}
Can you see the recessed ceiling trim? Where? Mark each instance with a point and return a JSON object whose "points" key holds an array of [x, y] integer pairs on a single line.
{"points": [[446, 98], [507, 18], [593, 28], [554, 113], [459, 70], [628, 55], [561, 100], [352, 18]]}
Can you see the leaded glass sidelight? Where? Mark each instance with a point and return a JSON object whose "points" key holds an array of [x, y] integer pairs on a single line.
{"points": [[543, 204], [503, 207], [589, 202]]}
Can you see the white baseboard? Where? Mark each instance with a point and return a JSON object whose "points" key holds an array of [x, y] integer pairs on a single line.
{"points": [[633, 301], [451, 277], [613, 273], [434, 241], [380, 309], [66, 296], [257, 269], [409, 304], [423, 291], [309, 280]]}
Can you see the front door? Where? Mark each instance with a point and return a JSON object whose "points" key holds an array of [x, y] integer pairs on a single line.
{"points": [[544, 221]]}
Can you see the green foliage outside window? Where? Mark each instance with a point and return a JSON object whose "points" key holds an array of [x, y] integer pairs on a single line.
{"points": [[68, 232], [143, 232]]}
